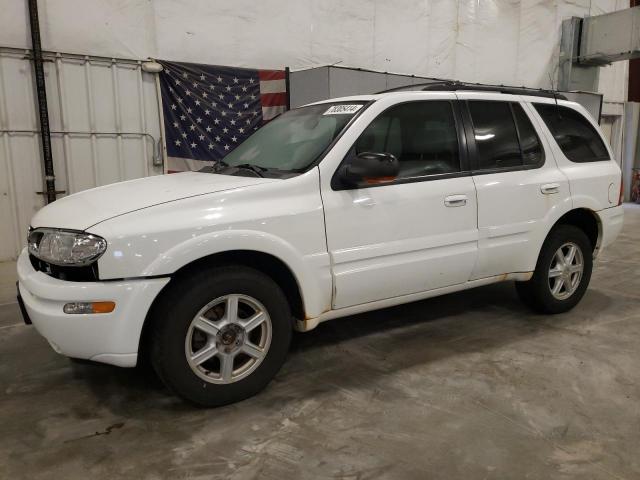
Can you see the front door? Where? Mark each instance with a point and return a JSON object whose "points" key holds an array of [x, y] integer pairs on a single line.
{"points": [[416, 233]]}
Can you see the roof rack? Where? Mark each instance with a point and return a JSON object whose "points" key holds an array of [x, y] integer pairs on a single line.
{"points": [[478, 87]]}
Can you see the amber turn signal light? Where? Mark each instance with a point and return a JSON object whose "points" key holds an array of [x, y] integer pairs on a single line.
{"points": [[89, 307], [376, 180]]}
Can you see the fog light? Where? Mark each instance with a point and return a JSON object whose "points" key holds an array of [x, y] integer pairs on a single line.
{"points": [[89, 307]]}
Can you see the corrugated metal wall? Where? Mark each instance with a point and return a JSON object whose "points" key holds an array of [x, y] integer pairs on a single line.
{"points": [[104, 128]]}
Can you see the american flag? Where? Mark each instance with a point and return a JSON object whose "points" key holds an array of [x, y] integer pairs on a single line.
{"points": [[209, 110]]}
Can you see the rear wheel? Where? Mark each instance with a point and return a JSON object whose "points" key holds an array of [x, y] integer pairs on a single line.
{"points": [[221, 335], [562, 273]]}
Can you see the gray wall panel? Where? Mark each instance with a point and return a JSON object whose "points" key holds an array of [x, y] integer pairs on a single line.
{"points": [[309, 86], [344, 82], [591, 101], [394, 81], [330, 82]]}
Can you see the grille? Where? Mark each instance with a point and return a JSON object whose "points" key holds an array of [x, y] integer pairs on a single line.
{"points": [[88, 273]]}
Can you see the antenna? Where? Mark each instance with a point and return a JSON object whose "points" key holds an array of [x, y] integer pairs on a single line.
{"points": [[555, 96]]}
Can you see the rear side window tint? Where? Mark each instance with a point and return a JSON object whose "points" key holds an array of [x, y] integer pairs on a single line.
{"points": [[495, 135], [529, 142], [575, 135]]}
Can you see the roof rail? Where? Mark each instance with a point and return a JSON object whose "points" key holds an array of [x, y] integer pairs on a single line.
{"points": [[478, 87]]}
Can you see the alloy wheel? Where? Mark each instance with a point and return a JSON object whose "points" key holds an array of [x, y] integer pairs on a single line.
{"points": [[228, 339], [565, 271]]}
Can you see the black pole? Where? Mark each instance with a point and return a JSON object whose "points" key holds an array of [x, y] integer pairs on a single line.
{"points": [[43, 111], [287, 84]]}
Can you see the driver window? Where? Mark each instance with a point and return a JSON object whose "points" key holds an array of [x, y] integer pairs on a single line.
{"points": [[421, 135]]}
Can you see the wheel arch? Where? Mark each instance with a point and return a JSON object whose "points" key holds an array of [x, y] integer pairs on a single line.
{"points": [[586, 220], [268, 264]]}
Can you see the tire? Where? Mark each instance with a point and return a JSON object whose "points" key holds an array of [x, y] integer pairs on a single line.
{"points": [[537, 292], [209, 296]]}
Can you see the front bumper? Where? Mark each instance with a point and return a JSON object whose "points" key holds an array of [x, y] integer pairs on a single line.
{"points": [[107, 337]]}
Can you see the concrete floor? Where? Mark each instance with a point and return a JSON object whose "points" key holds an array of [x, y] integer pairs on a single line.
{"points": [[467, 386], [8, 279]]}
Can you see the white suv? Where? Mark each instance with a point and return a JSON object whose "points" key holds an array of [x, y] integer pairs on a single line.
{"points": [[331, 209]]}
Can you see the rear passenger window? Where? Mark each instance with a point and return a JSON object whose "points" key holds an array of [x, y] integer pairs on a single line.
{"points": [[575, 136], [529, 142], [422, 136], [495, 134]]}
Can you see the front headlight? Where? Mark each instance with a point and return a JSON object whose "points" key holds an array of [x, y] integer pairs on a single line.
{"points": [[66, 248]]}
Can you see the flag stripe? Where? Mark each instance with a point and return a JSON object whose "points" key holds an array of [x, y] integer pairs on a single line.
{"points": [[273, 99], [270, 112], [177, 164], [271, 75], [273, 86]]}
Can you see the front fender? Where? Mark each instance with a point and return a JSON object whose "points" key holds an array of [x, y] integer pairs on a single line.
{"points": [[283, 219], [312, 272]]}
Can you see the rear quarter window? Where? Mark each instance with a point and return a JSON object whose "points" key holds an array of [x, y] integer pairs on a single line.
{"points": [[574, 134]]}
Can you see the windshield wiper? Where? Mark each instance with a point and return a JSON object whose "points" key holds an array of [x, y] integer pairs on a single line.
{"points": [[220, 164], [215, 168], [254, 168]]}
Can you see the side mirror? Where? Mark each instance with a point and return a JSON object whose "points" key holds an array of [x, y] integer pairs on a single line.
{"points": [[369, 168]]}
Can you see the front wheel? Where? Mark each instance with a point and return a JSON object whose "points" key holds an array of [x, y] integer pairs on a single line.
{"points": [[221, 335], [562, 273]]}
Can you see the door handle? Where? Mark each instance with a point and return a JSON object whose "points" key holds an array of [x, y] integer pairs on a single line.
{"points": [[549, 188], [455, 200]]}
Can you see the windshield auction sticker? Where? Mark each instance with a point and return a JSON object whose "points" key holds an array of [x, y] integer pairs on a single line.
{"points": [[343, 109]]}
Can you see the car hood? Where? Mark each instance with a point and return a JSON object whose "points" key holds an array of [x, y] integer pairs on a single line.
{"points": [[85, 209]]}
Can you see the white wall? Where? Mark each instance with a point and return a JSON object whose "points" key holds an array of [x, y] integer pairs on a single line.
{"points": [[500, 41]]}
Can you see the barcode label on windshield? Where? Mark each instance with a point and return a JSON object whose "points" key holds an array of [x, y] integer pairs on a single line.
{"points": [[343, 109]]}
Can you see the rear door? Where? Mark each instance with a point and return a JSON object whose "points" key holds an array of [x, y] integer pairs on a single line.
{"points": [[518, 184]]}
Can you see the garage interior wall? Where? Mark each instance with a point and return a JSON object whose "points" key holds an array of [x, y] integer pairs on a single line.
{"points": [[104, 123], [492, 41]]}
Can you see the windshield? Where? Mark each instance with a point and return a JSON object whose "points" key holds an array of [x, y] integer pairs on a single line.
{"points": [[295, 139]]}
